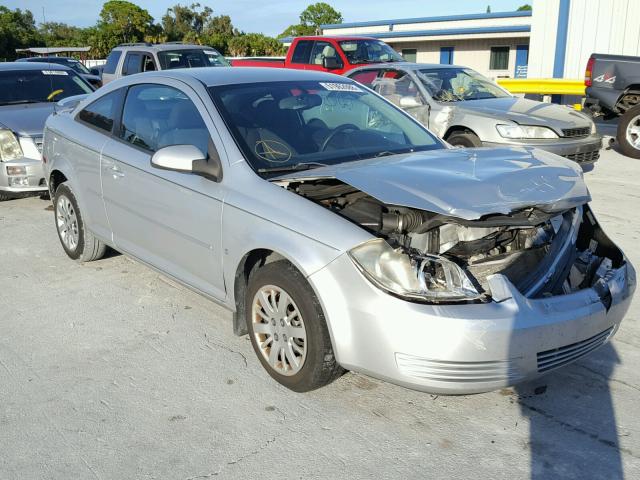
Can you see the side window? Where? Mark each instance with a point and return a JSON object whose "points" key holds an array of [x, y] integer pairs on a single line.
{"points": [[148, 65], [132, 64], [157, 116], [302, 52], [102, 113], [365, 77], [322, 50], [399, 88], [112, 61]]}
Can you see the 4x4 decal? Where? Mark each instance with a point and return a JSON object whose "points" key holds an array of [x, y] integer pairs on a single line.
{"points": [[605, 78]]}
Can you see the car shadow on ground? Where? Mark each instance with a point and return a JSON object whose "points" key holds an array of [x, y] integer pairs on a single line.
{"points": [[572, 421]]}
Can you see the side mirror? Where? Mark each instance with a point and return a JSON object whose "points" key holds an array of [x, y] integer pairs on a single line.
{"points": [[188, 159], [408, 102], [331, 63]]}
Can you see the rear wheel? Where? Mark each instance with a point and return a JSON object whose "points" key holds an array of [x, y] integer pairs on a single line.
{"points": [[464, 140], [628, 135], [5, 196], [288, 330], [77, 241]]}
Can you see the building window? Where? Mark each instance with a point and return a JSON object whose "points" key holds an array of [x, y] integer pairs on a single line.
{"points": [[499, 58], [410, 54], [446, 55]]}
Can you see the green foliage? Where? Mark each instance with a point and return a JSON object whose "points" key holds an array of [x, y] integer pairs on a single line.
{"points": [[320, 14], [17, 30], [253, 45], [525, 7], [122, 21], [183, 22]]}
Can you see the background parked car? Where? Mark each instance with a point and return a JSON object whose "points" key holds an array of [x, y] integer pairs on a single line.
{"points": [[73, 64], [97, 71], [28, 92], [613, 90], [130, 58], [468, 110]]}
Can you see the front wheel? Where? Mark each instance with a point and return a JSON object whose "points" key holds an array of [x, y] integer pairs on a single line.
{"points": [[287, 328], [78, 243], [628, 134], [464, 140]]}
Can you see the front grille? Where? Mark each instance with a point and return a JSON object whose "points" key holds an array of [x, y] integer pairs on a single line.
{"points": [[576, 132], [447, 371], [584, 157], [557, 357]]}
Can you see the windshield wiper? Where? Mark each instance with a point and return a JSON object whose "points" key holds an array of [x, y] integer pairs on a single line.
{"points": [[292, 168]]}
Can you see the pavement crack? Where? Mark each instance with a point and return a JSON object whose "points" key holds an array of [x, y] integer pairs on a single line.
{"points": [[253, 452], [227, 348], [573, 428], [607, 378]]}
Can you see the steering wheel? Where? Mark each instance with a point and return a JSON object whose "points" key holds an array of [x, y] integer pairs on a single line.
{"points": [[339, 129]]}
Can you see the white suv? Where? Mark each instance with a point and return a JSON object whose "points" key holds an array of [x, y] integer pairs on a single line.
{"points": [[130, 58]]}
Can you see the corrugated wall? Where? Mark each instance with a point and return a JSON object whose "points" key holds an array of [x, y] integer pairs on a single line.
{"points": [[602, 26]]}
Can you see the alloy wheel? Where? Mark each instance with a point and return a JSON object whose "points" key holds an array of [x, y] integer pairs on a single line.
{"points": [[67, 223], [633, 132]]}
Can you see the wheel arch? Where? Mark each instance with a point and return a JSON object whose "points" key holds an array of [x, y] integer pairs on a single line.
{"points": [[56, 177], [458, 129]]}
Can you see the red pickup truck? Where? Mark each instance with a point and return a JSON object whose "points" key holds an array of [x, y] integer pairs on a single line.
{"points": [[328, 54]]}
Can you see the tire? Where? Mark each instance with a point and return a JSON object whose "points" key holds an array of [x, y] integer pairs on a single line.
{"points": [[317, 365], [464, 139], [78, 242], [5, 196], [629, 129]]}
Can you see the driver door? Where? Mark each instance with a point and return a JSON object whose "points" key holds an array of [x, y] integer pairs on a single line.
{"points": [[167, 219]]}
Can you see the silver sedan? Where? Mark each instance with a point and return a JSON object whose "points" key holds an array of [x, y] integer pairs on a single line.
{"points": [[469, 110], [340, 232]]}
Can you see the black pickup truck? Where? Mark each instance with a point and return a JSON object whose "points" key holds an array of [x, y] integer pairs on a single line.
{"points": [[613, 90]]}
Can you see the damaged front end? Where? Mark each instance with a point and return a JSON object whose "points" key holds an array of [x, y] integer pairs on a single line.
{"points": [[435, 258]]}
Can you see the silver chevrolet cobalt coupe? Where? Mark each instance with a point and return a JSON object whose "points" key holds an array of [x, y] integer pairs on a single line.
{"points": [[340, 232]]}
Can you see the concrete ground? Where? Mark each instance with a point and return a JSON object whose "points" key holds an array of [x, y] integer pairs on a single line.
{"points": [[109, 371]]}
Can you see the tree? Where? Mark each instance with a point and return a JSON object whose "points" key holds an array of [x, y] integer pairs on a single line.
{"points": [[310, 20], [17, 30], [186, 22], [55, 34], [525, 7], [122, 22], [253, 45], [218, 32], [488, 8]]}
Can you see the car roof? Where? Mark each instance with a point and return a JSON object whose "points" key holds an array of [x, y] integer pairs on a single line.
{"points": [[46, 59], [7, 66], [337, 38], [212, 76], [162, 46]]}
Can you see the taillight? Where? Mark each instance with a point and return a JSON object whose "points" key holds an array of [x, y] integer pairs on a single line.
{"points": [[589, 72]]}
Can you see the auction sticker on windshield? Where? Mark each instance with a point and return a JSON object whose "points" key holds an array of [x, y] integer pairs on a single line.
{"points": [[341, 87], [54, 72]]}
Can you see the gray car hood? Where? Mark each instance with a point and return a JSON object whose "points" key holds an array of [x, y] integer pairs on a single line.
{"points": [[26, 120], [464, 183], [526, 112]]}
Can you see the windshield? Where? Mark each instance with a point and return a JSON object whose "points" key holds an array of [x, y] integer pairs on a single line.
{"points": [[194, 58], [457, 84], [281, 125], [33, 86], [77, 66], [369, 51]]}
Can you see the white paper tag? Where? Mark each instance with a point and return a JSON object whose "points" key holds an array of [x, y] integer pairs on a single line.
{"points": [[341, 87], [54, 72]]}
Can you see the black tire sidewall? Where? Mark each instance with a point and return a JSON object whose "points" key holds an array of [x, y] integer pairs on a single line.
{"points": [[466, 140], [64, 190], [621, 135], [284, 275]]}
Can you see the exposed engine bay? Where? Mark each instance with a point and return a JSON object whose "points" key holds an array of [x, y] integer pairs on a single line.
{"points": [[542, 253]]}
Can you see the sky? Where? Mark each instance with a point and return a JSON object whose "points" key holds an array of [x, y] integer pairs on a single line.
{"points": [[269, 17]]}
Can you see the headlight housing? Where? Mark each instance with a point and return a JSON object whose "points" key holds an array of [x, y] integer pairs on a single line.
{"points": [[420, 277], [9, 146], [525, 131]]}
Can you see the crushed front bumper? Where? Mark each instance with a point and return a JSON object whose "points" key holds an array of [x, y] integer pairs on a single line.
{"points": [[584, 150], [31, 179], [470, 348]]}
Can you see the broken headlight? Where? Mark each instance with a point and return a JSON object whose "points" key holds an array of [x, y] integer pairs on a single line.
{"points": [[525, 131], [422, 277]]}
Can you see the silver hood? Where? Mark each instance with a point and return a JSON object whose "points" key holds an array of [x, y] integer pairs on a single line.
{"points": [[526, 112], [464, 183], [26, 120]]}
